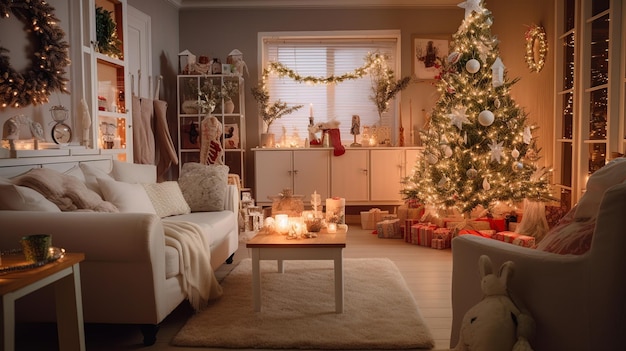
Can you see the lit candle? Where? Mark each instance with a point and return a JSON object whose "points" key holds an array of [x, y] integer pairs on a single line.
{"points": [[282, 223], [311, 109], [332, 227]]}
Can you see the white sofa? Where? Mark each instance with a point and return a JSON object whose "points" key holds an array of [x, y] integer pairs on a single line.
{"points": [[130, 275], [578, 301]]}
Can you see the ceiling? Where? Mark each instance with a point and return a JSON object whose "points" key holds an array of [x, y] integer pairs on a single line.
{"points": [[315, 3]]}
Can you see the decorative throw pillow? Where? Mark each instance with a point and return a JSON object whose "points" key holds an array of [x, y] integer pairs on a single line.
{"points": [[91, 174], [127, 197], [20, 198], [134, 172], [204, 186], [611, 174], [76, 172], [167, 198]]}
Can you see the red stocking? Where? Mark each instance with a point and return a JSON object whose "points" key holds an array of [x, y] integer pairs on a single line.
{"points": [[335, 139]]}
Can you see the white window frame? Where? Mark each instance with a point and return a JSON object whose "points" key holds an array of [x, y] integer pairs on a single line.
{"points": [[391, 119]]}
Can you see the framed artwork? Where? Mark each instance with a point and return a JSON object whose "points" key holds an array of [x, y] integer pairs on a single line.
{"points": [[231, 136], [427, 56]]}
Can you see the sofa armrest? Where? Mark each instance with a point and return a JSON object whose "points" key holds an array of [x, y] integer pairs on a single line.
{"points": [[549, 285], [120, 237], [232, 198]]}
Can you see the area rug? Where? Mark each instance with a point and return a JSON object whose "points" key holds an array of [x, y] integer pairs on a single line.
{"points": [[298, 310]]}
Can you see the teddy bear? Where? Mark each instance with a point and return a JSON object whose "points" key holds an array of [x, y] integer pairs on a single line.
{"points": [[499, 322]]}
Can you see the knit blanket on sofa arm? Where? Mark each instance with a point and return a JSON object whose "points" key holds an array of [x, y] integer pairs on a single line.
{"points": [[67, 192], [199, 282]]}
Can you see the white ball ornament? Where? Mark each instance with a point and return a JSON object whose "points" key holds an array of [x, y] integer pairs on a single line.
{"points": [[472, 66], [472, 173], [515, 153], [517, 166], [432, 159], [486, 118]]}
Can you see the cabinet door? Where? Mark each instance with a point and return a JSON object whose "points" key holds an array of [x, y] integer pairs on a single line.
{"points": [[386, 173], [273, 173], [349, 175], [311, 172]]}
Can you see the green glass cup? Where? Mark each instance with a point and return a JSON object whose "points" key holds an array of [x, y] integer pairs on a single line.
{"points": [[36, 248]]}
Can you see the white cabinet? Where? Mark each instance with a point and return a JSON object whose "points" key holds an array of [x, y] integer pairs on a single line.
{"points": [[230, 112], [303, 171], [386, 172], [362, 176], [350, 175], [107, 83]]}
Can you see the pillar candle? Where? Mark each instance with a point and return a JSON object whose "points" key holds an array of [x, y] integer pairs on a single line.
{"points": [[336, 210]]}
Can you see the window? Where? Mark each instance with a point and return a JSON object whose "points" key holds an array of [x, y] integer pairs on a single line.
{"points": [[323, 54]]}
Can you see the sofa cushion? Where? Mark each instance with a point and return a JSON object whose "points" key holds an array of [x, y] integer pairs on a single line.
{"points": [[172, 262], [91, 175], [167, 198], [611, 174], [204, 186], [133, 172], [20, 198], [217, 225], [127, 197]]}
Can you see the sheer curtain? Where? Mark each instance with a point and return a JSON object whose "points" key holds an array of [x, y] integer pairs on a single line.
{"points": [[322, 55]]}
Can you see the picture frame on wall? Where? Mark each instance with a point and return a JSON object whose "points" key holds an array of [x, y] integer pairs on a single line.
{"points": [[231, 136], [428, 53]]}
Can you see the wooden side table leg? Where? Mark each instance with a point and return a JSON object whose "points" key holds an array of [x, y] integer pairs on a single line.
{"points": [[256, 279], [70, 311], [339, 281], [7, 323]]}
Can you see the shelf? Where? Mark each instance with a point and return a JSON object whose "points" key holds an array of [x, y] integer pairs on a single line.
{"points": [[108, 60]]}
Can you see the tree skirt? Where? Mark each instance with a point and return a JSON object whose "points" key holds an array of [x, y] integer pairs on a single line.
{"points": [[298, 310]]}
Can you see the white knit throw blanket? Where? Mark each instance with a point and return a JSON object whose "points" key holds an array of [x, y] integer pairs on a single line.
{"points": [[199, 280]]}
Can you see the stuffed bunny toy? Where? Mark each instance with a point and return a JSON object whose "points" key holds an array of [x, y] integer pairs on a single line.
{"points": [[497, 322]]}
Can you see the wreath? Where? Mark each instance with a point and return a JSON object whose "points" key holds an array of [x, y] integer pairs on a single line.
{"points": [[48, 61], [536, 34]]}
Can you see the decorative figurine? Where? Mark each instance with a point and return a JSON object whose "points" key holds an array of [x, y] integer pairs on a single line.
{"points": [[355, 129]]}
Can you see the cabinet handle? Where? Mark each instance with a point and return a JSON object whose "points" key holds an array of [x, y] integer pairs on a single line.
{"points": [[365, 171], [290, 172], [295, 172]]}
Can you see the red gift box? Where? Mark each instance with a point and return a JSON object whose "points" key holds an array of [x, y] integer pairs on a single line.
{"points": [[497, 224], [408, 223], [424, 233], [515, 238]]}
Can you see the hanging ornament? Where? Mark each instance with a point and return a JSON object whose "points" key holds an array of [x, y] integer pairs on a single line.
{"points": [[442, 182], [472, 66], [450, 89], [444, 140], [496, 150], [497, 73], [515, 153], [517, 166], [447, 151], [471, 173], [486, 118], [431, 158], [496, 103], [483, 51], [486, 185], [527, 135], [465, 138], [454, 57], [488, 21], [458, 116]]}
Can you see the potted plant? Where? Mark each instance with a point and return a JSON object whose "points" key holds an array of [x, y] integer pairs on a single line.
{"points": [[270, 112], [230, 89]]}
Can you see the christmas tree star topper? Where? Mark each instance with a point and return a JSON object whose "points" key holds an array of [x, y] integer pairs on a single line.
{"points": [[471, 5]]}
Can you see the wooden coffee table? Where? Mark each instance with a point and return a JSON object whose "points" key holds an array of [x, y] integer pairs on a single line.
{"points": [[278, 247]]}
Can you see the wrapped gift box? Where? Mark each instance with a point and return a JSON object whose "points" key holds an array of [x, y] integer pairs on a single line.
{"points": [[444, 234], [440, 244], [497, 224], [371, 217], [406, 228], [422, 234], [389, 229], [410, 212], [515, 238], [489, 233]]}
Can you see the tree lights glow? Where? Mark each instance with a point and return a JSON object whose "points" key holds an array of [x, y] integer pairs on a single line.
{"points": [[470, 161]]}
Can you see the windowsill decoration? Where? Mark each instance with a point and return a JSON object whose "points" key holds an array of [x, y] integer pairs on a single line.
{"points": [[536, 48], [46, 72]]}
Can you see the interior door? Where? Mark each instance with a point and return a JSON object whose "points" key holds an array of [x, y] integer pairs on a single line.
{"points": [[140, 52]]}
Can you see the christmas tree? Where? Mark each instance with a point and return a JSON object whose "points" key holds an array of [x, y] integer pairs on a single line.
{"points": [[478, 150]]}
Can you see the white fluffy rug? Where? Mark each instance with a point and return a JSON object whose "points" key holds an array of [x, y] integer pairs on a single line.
{"points": [[298, 310]]}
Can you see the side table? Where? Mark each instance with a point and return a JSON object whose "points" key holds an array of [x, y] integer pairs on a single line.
{"points": [[64, 274]]}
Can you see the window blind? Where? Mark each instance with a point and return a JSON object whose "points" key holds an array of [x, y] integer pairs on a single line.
{"points": [[323, 56]]}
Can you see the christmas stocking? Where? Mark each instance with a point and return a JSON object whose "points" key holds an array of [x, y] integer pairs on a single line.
{"points": [[335, 139]]}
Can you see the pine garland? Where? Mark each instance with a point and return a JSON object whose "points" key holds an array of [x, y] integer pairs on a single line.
{"points": [[47, 69]]}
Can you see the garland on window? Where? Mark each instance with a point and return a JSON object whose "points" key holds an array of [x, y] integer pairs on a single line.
{"points": [[50, 57], [536, 34], [384, 84]]}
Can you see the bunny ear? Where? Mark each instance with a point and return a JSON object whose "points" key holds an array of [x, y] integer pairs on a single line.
{"points": [[506, 272], [484, 265]]}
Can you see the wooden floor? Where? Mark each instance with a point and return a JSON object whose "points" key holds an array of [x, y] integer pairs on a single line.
{"points": [[428, 273]]}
